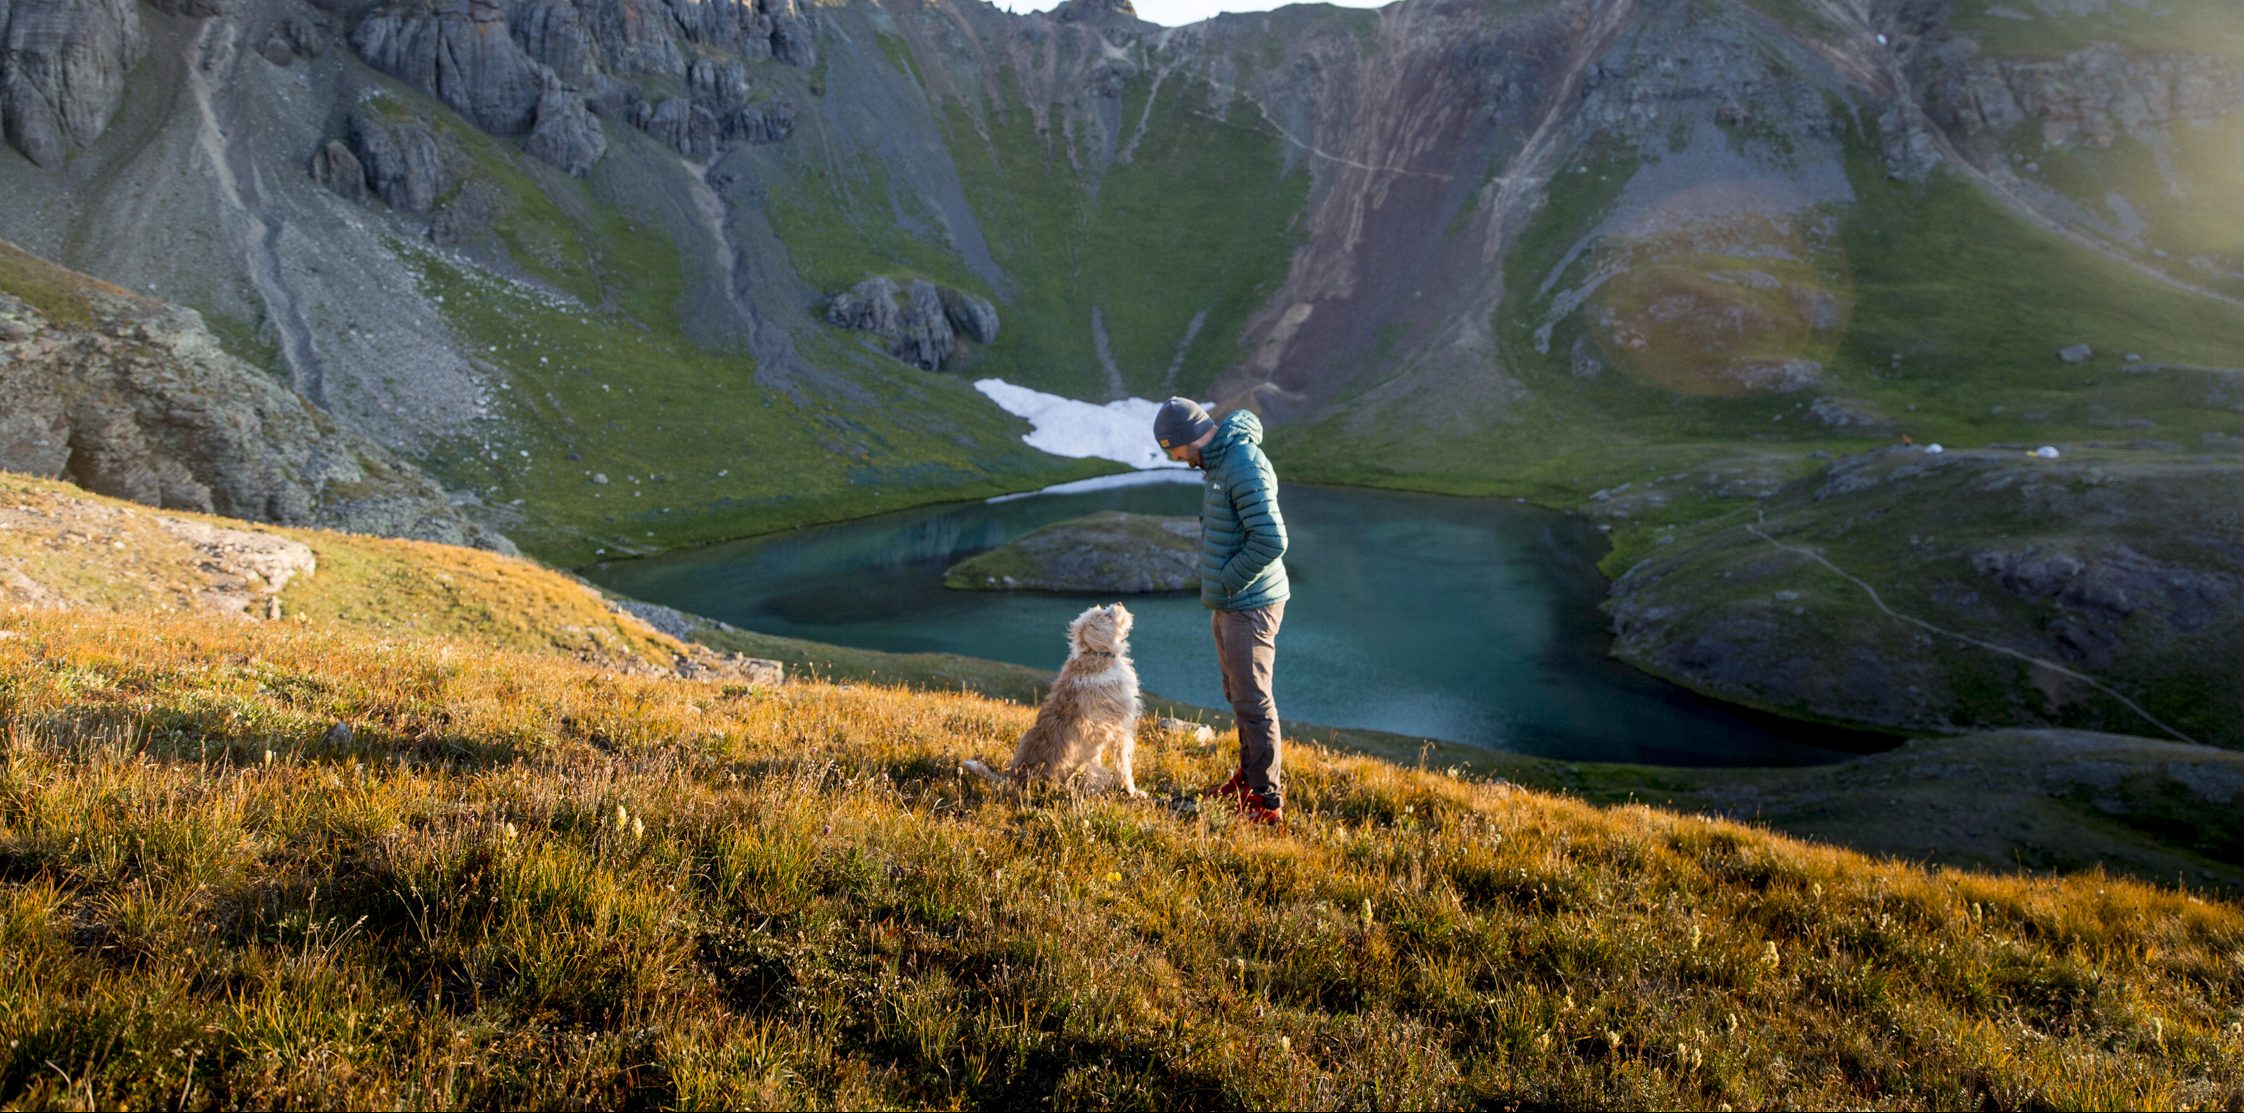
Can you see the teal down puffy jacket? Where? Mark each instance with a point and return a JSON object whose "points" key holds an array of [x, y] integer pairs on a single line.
{"points": [[1242, 534]]}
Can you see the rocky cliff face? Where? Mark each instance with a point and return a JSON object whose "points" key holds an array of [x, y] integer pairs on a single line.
{"points": [[62, 71], [135, 399], [1488, 244]]}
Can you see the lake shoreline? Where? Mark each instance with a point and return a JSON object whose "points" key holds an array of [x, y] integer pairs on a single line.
{"points": [[1561, 637]]}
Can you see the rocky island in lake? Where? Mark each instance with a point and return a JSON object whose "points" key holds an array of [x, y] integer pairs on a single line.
{"points": [[1107, 552]]}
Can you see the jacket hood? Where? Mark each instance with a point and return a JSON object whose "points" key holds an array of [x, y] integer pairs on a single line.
{"points": [[1237, 427]]}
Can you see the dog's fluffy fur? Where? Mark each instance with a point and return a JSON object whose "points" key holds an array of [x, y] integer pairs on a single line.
{"points": [[1091, 713]]}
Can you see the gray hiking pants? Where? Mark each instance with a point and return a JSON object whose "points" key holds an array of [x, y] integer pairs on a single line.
{"points": [[1247, 648]]}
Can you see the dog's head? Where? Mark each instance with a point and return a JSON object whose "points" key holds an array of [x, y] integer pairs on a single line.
{"points": [[1101, 629]]}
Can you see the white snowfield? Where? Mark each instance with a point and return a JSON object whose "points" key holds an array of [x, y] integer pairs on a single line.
{"points": [[1146, 478], [1120, 431]]}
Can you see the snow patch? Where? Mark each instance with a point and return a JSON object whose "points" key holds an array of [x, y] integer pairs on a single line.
{"points": [[1121, 431], [1146, 478]]}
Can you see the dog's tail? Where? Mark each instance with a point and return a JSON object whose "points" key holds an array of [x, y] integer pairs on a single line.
{"points": [[978, 769]]}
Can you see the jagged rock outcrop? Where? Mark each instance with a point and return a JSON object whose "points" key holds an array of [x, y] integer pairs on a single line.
{"points": [[971, 315], [62, 72], [566, 133], [768, 122], [192, 9], [793, 37], [407, 162], [135, 399], [459, 52], [1084, 11], [293, 38], [336, 168], [2096, 95], [920, 321], [686, 126]]}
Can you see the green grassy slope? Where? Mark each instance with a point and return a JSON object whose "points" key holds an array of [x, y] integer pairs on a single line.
{"points": [[1197, 222], [600, 378], [1955, 311]]}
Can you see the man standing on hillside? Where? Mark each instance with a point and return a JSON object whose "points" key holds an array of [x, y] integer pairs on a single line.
{"points": [[1242, 579]]}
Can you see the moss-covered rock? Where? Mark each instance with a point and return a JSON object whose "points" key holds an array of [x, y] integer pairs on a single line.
{"points": [[1107, 552]]}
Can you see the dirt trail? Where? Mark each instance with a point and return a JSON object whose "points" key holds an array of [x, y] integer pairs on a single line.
{"points": [[2037, 662]]}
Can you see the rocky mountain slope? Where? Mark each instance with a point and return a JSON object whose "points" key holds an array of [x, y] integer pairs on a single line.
{"points": [[134, 398], [622, 271]]}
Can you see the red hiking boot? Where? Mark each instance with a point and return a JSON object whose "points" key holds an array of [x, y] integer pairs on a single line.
{"points": [[1236, 786], [1251, 806]]}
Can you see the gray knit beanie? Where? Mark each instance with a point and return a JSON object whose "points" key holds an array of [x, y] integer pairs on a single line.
{"points": [[1181, 421]]}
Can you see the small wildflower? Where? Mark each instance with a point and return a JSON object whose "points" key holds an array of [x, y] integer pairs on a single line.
{"points": [[1113, 876], [511, 833], [1818, 890], [623, 818], [268, 757], [1285, 1044], [1612, 1040], [1769, 955], [638, 828], [1694, 935], [1367, 911]]}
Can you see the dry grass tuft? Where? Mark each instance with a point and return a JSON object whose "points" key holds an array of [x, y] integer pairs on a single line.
{"points": [[526, 880]]}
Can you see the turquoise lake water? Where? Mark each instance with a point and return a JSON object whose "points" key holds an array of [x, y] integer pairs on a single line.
{"points": [[1467, 620]]}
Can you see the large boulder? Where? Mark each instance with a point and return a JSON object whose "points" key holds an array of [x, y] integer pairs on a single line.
{"points": [[335, 167], [923, 331], [920, 321], [407, 161], [869, 306], [62, 71], [971, 315], [566, 134]]}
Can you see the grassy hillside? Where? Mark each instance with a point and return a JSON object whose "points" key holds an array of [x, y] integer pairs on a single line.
{"points": [[574, 302], [529, 881], [528, 878]]}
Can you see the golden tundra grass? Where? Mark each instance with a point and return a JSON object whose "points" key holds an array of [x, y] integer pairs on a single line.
{"points": [[527, 881]]}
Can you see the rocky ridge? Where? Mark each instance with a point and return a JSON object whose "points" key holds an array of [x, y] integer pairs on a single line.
{"points": [[136, 399], [921, 323]]}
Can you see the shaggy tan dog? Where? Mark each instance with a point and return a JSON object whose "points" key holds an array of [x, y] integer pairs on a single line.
{"points": [[1092, 711]]}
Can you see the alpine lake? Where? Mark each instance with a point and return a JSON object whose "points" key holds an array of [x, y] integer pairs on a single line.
{"points": [[1474, 621]]}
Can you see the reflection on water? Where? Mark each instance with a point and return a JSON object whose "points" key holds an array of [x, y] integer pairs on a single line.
{"points": [[1468, 620]]}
